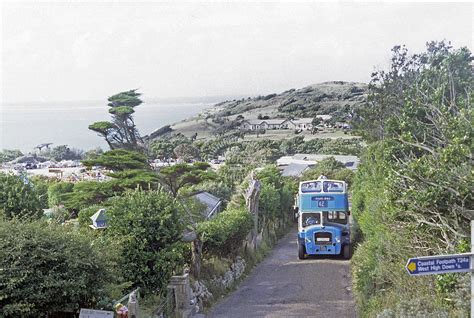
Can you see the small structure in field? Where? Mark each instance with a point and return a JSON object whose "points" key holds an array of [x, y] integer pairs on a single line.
{"points": [[99, 220], [212, 203]]}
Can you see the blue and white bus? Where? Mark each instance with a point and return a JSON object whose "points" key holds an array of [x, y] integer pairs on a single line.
{"points": [[323, 218]]}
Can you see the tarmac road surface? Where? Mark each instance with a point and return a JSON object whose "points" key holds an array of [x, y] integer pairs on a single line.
{"points": [[284, 286]]}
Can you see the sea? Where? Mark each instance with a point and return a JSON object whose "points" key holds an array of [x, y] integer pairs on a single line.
{"points": [[23, 126]]}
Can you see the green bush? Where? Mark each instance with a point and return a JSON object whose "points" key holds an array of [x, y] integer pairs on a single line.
{"points": [[56, 192], [148, 224], [18, 198], [47, 268], [223, 235]]}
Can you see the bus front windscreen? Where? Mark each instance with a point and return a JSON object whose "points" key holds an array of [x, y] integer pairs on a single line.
{"points": [[335, 217], [311, 219]]}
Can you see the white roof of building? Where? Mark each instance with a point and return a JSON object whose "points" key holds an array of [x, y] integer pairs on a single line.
{"points": [[324, 117], [210, 201], [303, 121], [295, 169], [351, 162], [276, 121]]}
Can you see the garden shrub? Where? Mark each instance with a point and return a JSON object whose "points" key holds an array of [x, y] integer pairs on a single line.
{"points": [[223, 235]]}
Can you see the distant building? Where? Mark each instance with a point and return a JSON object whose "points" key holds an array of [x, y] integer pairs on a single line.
{"points": [[99, 220], [212, 203], [295, 169], [295, 124], [295, 165]]}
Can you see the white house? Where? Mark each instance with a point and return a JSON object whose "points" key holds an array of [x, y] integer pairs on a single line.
{"points": [[279, 123], [304, 123]]}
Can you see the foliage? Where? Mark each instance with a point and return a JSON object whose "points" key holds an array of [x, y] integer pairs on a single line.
{"points": [[163, 148], [119, 160], [56, 192], [328, 167], [121, 132], [276, 195], [186, 152], [413, 193], [131, 171], [93, 154], [352, 147], [87, 193], [213, 148], [63, 152], [47, 268], [149, 225], [215, 187], [18, 198], [41, 185], [180, 175], [7, 155], [290, 146], [223, 235]]}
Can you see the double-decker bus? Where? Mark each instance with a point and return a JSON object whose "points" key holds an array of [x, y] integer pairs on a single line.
{"points": [[323, 218]]}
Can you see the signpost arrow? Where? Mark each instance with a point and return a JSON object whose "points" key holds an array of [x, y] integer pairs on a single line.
{"points": [[439, 264]]}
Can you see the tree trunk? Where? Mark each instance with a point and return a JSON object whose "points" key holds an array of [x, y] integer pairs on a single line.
{"points": [[252, 199], [196, 252]]}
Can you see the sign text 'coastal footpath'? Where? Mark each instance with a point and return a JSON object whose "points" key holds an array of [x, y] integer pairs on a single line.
{"points": [[439, 264]]}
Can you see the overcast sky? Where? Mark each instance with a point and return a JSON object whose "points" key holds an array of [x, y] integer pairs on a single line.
{"points": [[88, 51]]}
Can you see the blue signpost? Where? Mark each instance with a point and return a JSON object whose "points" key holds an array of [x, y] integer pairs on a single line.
{"points": [[442, 264], [439, 264]]}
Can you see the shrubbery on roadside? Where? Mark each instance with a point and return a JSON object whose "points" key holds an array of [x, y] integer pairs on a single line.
{"points": [[223, 235]]}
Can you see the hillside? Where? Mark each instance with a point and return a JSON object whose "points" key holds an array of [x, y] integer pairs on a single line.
{"points": [[337, 98], [319, 99]]}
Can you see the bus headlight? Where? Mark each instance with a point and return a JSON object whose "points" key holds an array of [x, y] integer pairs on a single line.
{"points": [[307, 240], [338, 239]]}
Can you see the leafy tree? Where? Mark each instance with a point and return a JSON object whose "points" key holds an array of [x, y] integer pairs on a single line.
{"points": [[149, 225], [41, 185], [47, 269], [180, 175], [57, 191], [7, 155], [419, 121], [224, 234], [315, 122], [63, 152], [87, 193], [93, 154], [119, 160], [186, 152], [121, 132], [163, 148], [328, 167], [18, 198], [290, 146]]}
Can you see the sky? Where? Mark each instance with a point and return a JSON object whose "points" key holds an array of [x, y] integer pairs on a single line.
{"points": [[77, 50]]}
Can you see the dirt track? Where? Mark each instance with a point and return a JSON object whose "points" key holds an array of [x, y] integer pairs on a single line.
{"points": [[283, 286]]}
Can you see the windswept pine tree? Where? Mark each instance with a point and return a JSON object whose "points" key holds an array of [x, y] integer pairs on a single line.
{"points": [[121, 132]]}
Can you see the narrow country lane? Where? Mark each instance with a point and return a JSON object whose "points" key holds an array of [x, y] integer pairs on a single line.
{"points": [[283, 286]]}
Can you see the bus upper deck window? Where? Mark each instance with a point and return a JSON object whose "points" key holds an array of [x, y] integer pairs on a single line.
{"points": [[311, 187], [332, 186]]}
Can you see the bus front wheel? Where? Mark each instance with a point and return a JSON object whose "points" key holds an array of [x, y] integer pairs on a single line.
{"points": [[301, 251], [346, 251]]}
